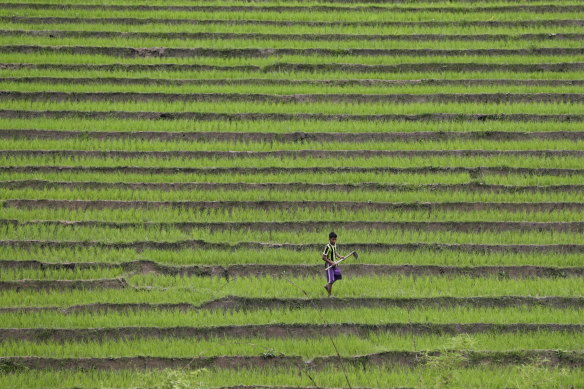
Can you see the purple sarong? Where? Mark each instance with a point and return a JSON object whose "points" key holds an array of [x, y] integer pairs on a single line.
{"points": [[333, 274]]}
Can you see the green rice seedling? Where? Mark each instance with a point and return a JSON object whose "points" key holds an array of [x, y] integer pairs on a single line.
{"points": [[58, 274], [205, 318], [290, 257], [516, 179], [298, 3], [376, 377], [271, 126], [48, 298], [315, 178], [161, 26], [326, 16], [20, 38], [290, 177], [294, 108], [297, 214], [211, 289], [285, 89], [493, 74], [301, 236], [280, 215], [510, 161], [64, 58], [271, 195], [157, 145], [307, 348], [387, 286]]}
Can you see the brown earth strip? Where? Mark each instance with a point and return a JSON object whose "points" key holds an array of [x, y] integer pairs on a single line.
{"points": [[332, 205], [273, 331], [320, 8], [144, 267], [221, 362], [363, 247], [286, 387], [114, 283], [423, 67], [295, 37], [242, 303], [295, 387], [292, 387], [400, 2], [147, 67], [283, 82], [267, 270], [168, 52], [293, 136], [474, 173], [399, 98], [554, 358], [233, 303], [142, 21], [293, 186], [210, 116], [406, 2], [291, 153], [292, 67], [464, 226]]}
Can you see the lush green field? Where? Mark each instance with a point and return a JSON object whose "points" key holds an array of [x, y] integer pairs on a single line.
{"points": [[275, 257], [170, 171]]}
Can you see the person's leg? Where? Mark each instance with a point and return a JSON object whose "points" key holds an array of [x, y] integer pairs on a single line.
{"points": [[334, 276], [330, 278], [329, 288]]}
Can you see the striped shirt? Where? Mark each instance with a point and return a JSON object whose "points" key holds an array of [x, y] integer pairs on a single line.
{"points": [[331, 252]]}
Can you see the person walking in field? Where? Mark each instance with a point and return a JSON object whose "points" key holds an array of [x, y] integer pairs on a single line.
{"points": [[329, 256]]}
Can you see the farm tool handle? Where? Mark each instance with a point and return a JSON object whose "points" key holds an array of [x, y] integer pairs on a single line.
{"points": [[341, 260]]}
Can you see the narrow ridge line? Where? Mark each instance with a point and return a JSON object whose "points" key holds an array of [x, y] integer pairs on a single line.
{"points": [[128, 20], [459, 226], [474, 172], [294, 67], [168, 52], [365, 247], [291, 186], [401, 358], [234, 303], [402, 98], [297, 137], [321, 8], [286, 82], [209, 116], [294, 36]]}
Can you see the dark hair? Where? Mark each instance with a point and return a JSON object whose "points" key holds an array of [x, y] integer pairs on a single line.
{"points": [[332, 235]]}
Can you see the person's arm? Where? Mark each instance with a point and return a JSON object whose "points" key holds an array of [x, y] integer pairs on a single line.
{"points": [[325, 256]]}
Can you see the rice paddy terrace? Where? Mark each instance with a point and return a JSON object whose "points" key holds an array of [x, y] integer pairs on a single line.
{"points": [[170, 171]]}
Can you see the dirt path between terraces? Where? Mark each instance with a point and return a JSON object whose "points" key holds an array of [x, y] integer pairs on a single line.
{"points": [[474, 172], [363, 247], [234, 303], [303, 270], [294, 136], [347, 205], [309, 225], [285, 186]]}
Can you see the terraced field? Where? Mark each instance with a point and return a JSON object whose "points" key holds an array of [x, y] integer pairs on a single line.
{"points": [[170, 171]]}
